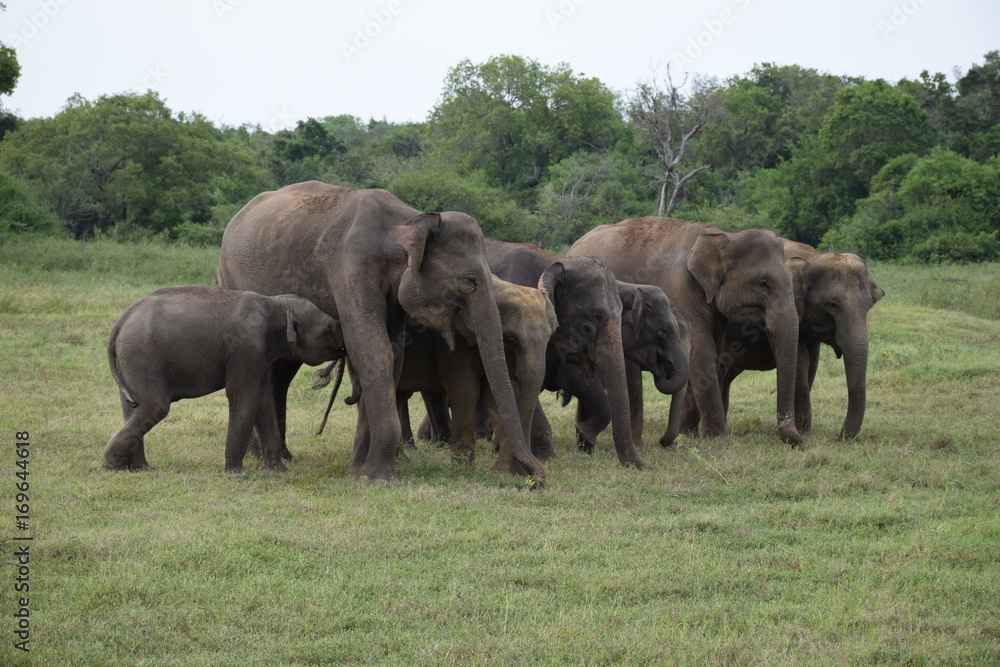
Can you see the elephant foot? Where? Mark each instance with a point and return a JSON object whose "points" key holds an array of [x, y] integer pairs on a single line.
{"points": [[849, 434], [233, 468], [253, 448], [118, 461], [544, 454], [636, 463], [378, 473], [137, 461], [790, 435]]}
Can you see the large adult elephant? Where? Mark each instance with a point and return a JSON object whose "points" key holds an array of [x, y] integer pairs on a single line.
{"points": [[834, 292], [714, 278], [652, 341], [589, 309], [369, 260]]}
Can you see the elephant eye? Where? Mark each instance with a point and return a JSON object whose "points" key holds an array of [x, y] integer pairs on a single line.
{"points": [[763, 284], [469, 282], [666, 332], [510, 342], [832, 307]]}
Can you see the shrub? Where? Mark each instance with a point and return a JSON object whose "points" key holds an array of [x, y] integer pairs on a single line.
{"points": [[20, 213]]}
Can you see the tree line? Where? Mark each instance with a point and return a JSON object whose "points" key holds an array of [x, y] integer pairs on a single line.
{"points": [[906, 171]]}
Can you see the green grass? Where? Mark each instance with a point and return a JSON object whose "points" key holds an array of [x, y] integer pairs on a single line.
{"points": [[885, 550]]}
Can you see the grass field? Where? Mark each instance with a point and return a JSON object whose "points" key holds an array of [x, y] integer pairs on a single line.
{"points": [[884, 550]]}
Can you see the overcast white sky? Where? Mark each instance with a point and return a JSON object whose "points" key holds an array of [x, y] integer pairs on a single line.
{"points": [[272, 63]]}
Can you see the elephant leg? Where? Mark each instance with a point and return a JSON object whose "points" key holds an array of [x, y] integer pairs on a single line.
{"points": [[362, 439], [593, 415], [403, 408], [707, 391], [690, 417], [267, 427], [726, 376], [484, 428], [375, 364], [281, 373], [244, 400], [506, 461], [460, 377], [633, 380], [436, 425], [541, 435], [677, 405], [805, 374], [126, 449]]}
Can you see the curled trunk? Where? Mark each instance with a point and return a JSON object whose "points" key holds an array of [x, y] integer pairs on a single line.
{"points": [[675, 377]]}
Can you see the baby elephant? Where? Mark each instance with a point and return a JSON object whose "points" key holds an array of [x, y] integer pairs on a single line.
{"points": [[188, 341]]}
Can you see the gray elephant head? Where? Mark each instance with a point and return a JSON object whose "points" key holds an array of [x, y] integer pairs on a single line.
{"points": [[651, 336], [312, 336]]}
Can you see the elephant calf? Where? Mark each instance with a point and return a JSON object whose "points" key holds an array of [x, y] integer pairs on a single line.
{"points": [[188, 341]]}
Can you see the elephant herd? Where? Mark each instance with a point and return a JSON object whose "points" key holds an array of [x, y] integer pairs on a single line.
{"points": [[422, 302]]}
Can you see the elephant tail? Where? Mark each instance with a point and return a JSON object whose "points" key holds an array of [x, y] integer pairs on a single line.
{"points": [[333, 396], [115, 372]]}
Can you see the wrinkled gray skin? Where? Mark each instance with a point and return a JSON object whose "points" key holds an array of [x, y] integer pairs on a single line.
{"points": [[589, 309], [370, 260], [833, 293], [527, 321], [713, 278], [652, 341], [188, 341]]}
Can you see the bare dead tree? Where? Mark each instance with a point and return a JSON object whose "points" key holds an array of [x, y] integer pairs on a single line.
{"points": [[666, 120]]}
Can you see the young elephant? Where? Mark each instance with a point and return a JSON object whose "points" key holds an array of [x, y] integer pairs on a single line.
{"points": [[654, 340], [188, 341]]}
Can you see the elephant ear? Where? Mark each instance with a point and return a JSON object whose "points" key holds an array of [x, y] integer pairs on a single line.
{"points": [[636, 313], [416, 236], [876, 291], [798, 267], [706, 262], [552, 279]]}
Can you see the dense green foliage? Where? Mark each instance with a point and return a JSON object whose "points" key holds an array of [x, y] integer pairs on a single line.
{"points": [[538, 153]]}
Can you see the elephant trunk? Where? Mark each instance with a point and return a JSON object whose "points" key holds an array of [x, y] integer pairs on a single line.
{"points": [[672, 374], [611, 359], [484, 320], [783, 329], [530, 379], [856, 369]]}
